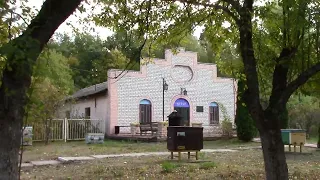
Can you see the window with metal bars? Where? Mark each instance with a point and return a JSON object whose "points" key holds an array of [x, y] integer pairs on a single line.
{"points": [[145, 112], [87, 113], [213, 113]]}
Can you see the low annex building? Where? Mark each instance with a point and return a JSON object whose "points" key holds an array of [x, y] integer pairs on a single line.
{"points": [[178, 82]]}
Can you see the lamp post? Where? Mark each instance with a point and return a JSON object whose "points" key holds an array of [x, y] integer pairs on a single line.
{"points": [[184, 91], [164, 88]]}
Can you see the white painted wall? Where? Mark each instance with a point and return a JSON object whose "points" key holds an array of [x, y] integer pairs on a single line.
{"points": [[77, 108]]}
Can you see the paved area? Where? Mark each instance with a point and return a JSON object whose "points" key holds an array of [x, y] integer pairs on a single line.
{"points": [[311, 145], [39, 163], [79, 158], [26, 165], [92, 157], [218, 150], [131, 155], [43, 163]]}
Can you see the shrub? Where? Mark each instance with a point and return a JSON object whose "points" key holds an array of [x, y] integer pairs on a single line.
{"points": [[202, 155], [226, 128], [168, 167], [136, 124], [208, 165], [313, 131], [226, 124], [118, 173], [246, 129], [318, 144]]}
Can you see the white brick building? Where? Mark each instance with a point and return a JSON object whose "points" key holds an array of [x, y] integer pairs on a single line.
{"points": [[137, 96]]}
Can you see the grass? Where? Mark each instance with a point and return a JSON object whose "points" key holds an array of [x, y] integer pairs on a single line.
{"points": [[228, 144], [246, 164], [208, 165], [168, 167], [39, 151], [313, 140]]}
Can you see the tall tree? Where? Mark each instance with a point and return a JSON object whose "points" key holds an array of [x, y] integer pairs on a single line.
{"points": [[51, 83], [82, 49], [21, 54], [318, 144], [303, 112], [189, 42], [90, 57], [111, 60], [287, 25]]}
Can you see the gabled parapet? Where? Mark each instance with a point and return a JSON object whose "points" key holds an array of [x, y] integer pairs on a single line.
{"points": [[180, 61]]}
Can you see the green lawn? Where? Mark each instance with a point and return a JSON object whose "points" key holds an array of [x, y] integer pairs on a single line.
{"points": [[39, 151], [246, 164], [312, 140]]}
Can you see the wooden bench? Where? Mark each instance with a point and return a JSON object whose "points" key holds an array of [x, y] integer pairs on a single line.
{"points": [[153, 127]]}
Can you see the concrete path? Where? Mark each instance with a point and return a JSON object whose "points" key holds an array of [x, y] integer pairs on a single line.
{"points": [[92, 157], [310, 145], [68, 159], [31, 164]]}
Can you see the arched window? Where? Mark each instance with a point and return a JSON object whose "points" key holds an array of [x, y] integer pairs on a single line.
{"points": [[214, 113], [145, 111]]}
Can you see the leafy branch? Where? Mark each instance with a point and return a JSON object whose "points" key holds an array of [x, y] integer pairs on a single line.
{"points": [[299, 81], [234, 4]]}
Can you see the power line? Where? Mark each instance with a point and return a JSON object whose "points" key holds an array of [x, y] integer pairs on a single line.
{"points": [[82, 70]]}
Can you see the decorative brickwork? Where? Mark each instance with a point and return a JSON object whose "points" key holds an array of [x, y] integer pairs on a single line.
{"points": [[200, 81], [212, 131]]}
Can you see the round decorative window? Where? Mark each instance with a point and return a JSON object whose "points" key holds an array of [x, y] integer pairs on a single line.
{"points": [[181, 73]]}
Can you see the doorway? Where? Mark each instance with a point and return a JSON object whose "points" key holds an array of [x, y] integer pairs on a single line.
{"points": [[183, 108]]}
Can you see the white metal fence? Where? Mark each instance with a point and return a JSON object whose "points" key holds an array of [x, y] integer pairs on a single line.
{"points": [[66, 129]]}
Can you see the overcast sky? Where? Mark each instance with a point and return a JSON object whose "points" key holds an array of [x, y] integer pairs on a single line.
{"points": [[74, 21]]}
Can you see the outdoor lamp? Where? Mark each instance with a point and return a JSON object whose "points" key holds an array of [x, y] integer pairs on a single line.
{"points": [[165, 86]]}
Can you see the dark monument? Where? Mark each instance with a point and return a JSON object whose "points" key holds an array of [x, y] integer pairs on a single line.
{"points": [[183, 138]]}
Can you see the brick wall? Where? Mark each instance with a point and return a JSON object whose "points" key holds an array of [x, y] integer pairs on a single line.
{"points": [[200, 81]]}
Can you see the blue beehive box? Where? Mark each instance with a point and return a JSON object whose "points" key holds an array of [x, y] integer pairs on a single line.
{"points": [[27, 136], [94, 138]]}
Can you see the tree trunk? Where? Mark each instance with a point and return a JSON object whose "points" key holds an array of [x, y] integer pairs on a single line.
{"points": [[10, 134], [318, 145], [273, 154], [22, 54], [48, 130], [266, 120], [12, 101]]}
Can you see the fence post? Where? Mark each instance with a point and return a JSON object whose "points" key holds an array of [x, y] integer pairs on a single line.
{"points": [[103, 126], [65, 125]]}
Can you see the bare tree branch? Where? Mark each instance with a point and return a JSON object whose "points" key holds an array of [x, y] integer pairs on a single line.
{"points": [[235, 4], [20, 16], [299, 81], [9, 27]]}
